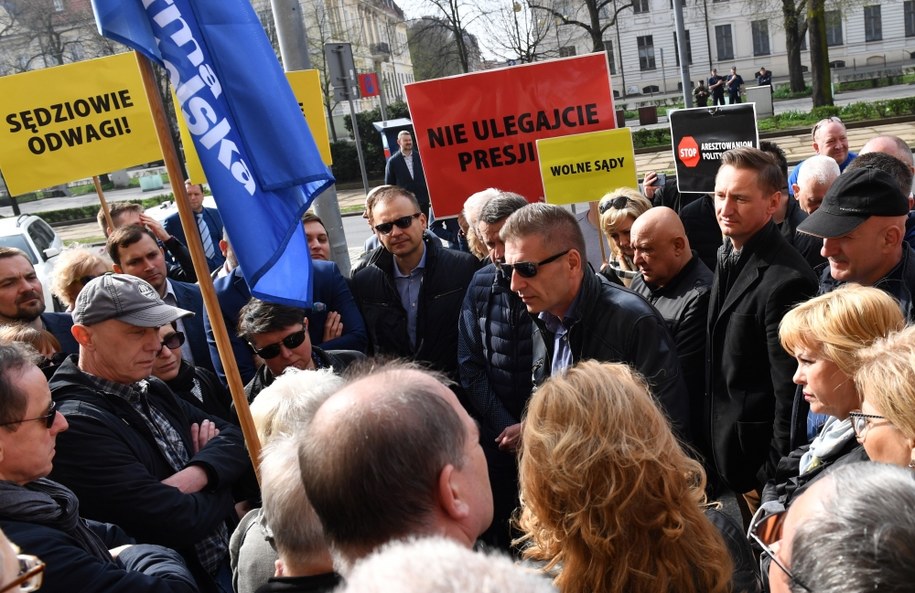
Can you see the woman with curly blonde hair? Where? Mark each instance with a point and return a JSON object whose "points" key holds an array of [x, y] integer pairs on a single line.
{"points": [[75, 267], [609, 500], [618, 210]]}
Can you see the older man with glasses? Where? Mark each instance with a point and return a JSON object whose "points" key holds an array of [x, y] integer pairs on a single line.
{"points": [[580, 315], [410, 289], [829, 139], [43, 517], [135, 454]]}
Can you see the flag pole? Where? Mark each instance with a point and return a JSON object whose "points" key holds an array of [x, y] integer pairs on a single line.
{"points": [[103, 201], [194, 244]]}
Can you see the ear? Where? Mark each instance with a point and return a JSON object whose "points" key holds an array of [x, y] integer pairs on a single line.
{"points": [[892, 236], [774, 201], [83, 335], [451, 495], [679, 244], [423, 221], [575, 262], [795, 189], [116, 268]]}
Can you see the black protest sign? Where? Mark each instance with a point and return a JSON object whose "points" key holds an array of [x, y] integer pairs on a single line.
{"points": [[700, 136]]}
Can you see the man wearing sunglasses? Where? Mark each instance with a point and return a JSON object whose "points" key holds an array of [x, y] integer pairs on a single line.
{"points": [[278, 335], [135, 454], [411, 288], [830, 139], [579, 315]]}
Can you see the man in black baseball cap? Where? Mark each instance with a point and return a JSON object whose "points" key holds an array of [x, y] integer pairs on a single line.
{"points": [[135, 454], [862, 224]]}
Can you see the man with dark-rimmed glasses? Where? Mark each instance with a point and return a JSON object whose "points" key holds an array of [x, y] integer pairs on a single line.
{"points": [[411, 288], [580, 315], [829, 139]]}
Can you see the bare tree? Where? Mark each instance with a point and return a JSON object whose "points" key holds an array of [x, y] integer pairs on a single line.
{"points": [[794, 13], [594, 16], [515, 33], [41, 33], [455, 17], [436, 52]]}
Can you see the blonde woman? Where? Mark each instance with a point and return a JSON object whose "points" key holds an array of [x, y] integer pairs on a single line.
{"points": [[610, 501], [618, 210], [885, 424], [74, 269], [824, 334]]}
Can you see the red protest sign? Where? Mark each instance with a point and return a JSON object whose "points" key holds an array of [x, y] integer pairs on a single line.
{"points": [[479, 130]]}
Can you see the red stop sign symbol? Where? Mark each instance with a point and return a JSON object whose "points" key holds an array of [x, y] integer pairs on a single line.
{"points": [[688, 151]]}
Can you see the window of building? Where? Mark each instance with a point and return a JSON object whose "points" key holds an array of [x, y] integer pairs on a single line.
{"points": [[873, 27], [689, 49], [566, 51], [682, 3], [646, 52], [640, 6], [908, 8], [608, 47], [58, 5], [760, 30], [725, 42], [833, 27]]}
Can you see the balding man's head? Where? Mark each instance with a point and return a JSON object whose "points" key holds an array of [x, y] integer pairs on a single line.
{"points": [[892, 145], [393, 454], [831, 139], [661, 248]]}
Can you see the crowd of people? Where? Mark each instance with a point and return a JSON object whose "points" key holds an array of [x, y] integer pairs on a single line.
{"points": [[578, 394]]}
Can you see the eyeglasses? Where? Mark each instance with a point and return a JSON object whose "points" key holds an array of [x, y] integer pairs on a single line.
{"points": [[403, 222], [172, 341], [48, 418], [31, 575], [860, 422], [823, 122], [617, 203], [527, 269], [766, 529], [293, 340]]}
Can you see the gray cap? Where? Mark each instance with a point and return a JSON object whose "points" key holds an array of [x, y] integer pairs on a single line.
{"points": [[125, 298]]}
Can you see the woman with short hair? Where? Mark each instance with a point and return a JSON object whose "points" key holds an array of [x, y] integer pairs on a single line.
{"points": [[618, 210]]}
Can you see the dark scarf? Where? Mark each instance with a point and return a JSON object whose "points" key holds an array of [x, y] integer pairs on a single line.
{"points": [[48, 503]]}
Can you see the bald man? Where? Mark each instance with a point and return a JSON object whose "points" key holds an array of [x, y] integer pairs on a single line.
{"points": [[677, 283], [829, 139], [897, 148]]}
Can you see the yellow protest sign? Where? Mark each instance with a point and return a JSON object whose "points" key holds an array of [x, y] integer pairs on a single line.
{"points": [[74, 121], [306, 86], [584, 167]]}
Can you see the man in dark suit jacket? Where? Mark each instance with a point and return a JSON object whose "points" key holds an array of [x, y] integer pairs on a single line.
{"points": [[758, 277], [134, 251], [209, 217], [406, 170]]}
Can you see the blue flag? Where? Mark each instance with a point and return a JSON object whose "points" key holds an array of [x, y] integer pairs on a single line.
{"points": [[261, 161]]}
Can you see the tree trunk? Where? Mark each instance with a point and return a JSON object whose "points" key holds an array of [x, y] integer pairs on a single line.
{"points": [[596, 33], [793, 38], [819, 54]]}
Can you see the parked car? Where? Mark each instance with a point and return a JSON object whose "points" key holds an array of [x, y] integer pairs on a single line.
{"points": [[40, 243]]}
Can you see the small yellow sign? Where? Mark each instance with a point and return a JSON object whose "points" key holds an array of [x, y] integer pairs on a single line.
{"points": [[584, 167], [306, 86], [74, 121]]}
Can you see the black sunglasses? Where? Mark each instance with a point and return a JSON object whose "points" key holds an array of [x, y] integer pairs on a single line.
{"points": [[617, 203], [293, 340], [48, 418], [403, 222], [527, 269], [173, 341]]}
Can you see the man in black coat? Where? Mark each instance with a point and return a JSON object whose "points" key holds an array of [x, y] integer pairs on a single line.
{"points": [[411, 288], [759, 276], [404, 169], [135, 454], [580, 315]]}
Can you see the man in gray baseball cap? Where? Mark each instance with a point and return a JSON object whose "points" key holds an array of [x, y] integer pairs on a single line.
{"points": [[135, 454], [862, 224]]}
